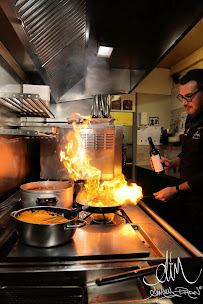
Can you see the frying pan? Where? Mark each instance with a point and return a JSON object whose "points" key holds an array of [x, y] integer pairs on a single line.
{"points": [[92, 209], [110, 209]]}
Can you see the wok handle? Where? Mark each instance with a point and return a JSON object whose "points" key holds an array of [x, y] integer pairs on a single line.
{"points": [[137, 273], [83, 223]]}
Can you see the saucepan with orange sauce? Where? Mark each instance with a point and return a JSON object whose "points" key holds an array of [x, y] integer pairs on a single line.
{"points": [[48, 193], [45, 226]]}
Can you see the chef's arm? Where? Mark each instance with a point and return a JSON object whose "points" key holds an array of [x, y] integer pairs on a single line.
{"points": [[182, 187], [167, 193], [195, 183]]}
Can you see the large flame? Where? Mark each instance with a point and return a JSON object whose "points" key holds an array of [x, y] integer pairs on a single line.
{"points": [[115, 192]]}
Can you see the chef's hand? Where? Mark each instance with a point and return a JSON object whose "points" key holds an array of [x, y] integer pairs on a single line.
{"points": [[165, 194], [167, 163]]}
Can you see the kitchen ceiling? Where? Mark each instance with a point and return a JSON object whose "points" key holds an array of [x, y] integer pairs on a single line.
{"points": [[192, 42], [60, 40]]}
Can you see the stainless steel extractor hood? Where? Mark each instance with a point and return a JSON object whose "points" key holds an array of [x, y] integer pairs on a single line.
{"points": [[54, 35], [61, 38]]}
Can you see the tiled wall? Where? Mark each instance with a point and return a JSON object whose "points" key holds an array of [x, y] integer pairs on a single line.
{"points": [[177, 120], [143, 157], [143, 132]]}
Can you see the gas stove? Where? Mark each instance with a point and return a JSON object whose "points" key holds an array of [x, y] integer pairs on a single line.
{"points": [[105, 236], [130, 239]]}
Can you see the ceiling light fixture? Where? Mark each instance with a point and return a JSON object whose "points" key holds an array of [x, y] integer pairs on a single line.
{"points": [[104, 51]]}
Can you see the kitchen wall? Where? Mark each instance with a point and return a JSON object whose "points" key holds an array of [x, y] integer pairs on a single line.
{"points": [[152, 96], [155, 105], [64, 110], [19, 163], [9, 82]]}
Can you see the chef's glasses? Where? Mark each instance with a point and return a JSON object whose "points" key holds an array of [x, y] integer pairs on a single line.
{"points": [[188, 97]]}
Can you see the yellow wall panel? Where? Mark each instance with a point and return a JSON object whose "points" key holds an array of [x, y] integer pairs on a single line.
{"points": [[122, 118]]}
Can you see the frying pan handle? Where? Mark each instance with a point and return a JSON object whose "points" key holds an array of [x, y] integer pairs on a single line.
{"points": [[83, 223], [75, 211], [137, 273], [148, 196]]}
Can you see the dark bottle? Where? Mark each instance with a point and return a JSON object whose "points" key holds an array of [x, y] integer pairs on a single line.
{"points": [[155, 158]]}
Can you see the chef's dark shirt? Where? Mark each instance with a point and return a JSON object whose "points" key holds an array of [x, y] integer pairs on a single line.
{"points": [[184, 211], [191, 164]]}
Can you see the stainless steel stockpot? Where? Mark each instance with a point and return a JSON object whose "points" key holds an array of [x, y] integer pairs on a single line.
{"points": [[46, 235], [52, 193]]}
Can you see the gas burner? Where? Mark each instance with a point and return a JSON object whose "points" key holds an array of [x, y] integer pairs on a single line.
{"points": [[119, 217], [102, 222]]}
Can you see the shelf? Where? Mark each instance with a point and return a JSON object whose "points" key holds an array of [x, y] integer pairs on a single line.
{"points": [[26, 105], [27, 133]]}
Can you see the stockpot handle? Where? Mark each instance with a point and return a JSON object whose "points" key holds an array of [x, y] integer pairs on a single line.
{"points": [[83, 223], [46, 201]]}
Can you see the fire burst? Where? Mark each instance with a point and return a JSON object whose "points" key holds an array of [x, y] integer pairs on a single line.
{"points": [[115, 192]]}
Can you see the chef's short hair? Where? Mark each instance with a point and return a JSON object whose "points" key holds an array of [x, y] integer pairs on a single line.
{"points": [[195, 74]]}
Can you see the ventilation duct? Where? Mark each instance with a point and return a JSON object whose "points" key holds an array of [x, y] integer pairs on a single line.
{"points": [[56, 32]]}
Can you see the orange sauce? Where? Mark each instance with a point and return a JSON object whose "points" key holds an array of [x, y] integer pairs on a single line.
{"points": [[41, 217]]}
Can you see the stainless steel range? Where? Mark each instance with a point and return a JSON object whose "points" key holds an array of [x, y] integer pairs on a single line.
{"points": [[134, 238]]}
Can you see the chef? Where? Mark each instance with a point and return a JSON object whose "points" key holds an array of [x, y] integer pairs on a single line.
{"points": [[187, 197]]}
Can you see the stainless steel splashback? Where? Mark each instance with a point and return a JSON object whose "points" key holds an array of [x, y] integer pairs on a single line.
{"points": [[103, 143], [19, 153], [19, 163]]}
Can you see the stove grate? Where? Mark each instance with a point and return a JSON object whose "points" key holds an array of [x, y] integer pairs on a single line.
{"points": [[119, 217]]}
